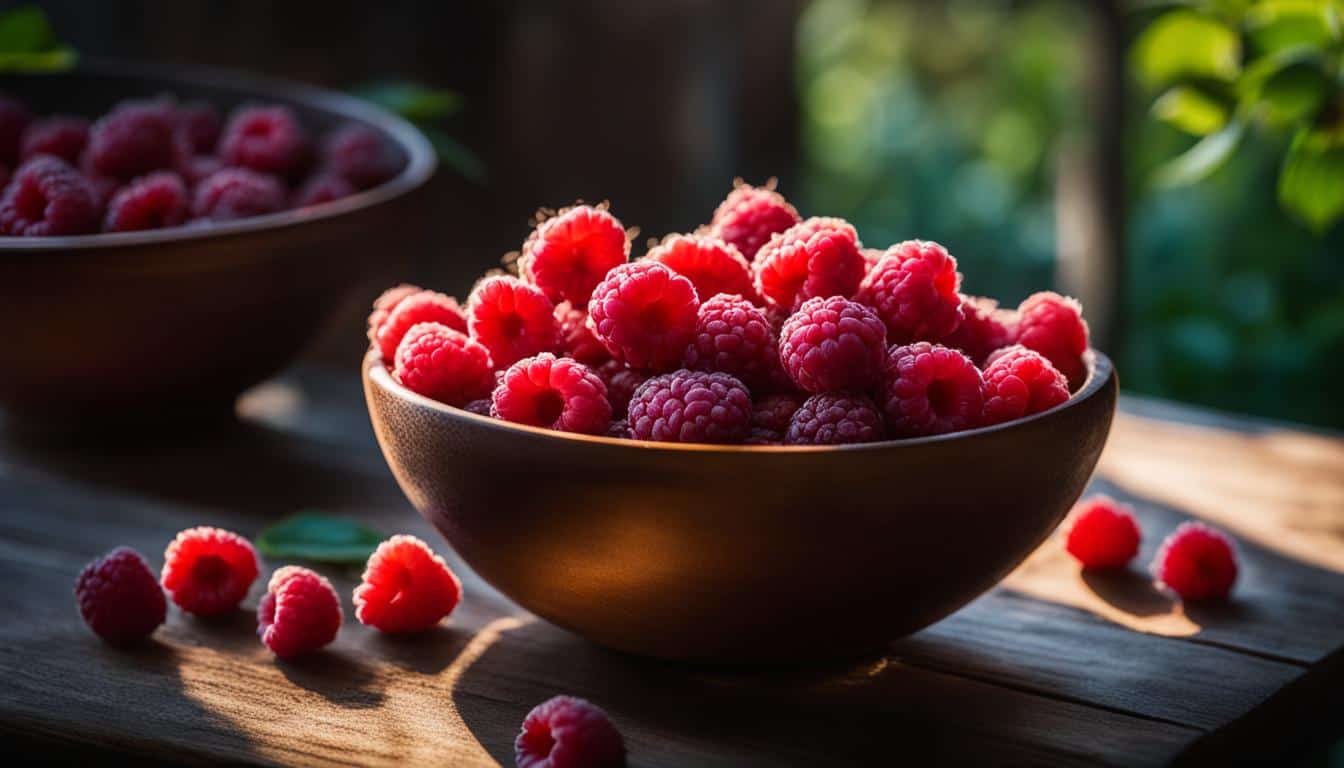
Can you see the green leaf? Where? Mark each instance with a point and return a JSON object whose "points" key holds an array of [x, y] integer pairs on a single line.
{"points": [[324, 538], [1184, 44], [25, 30], [56, 60], [1311, 184], [1294, 92], [413, 101], [456, 156], [1200, 160], [1191, 110], [1275, 25]]}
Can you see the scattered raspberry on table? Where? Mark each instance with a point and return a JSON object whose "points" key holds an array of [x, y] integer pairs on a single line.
{"points": [[119, 597], [1102, 533], [207, 571], [406, 587], [568, 732], [1197, 562], [299, 613]]}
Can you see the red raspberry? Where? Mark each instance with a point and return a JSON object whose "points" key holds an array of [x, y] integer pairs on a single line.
{"points": [[1021, 382], [359, 155], [984, 328], [207, 571], [773, 412], [61, 135], [150, 202], [914, 290], [763, 436], [1053, 325], [447, 365], [299, 613], [870, 258], [1103, 533], [398, 309], [512, 319], [1197, 562], [619, 428], [14, 119], [46, 198], [621, 381], [568, 254], [835, 418], [930, 390], [749, 216], [197, 126], [576, 340], [711, 265], [119, 597], [734, 336], [322, 188], [645, 313], [132, 140], [554, 392], [691, 407], [237, 193], [566, 732], [819, 257], [388, 301], [833, 344], [194, 170], [265, 139], [406, 587], [481, 407]]}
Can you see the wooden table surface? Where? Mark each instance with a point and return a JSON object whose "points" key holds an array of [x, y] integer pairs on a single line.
{"points": [[1053, 666]]}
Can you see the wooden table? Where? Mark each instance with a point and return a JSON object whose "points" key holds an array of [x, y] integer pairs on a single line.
{"points": [[1052, 666]]}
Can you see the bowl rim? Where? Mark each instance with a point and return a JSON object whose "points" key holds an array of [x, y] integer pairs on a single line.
{"points": [[1100, 372], [421, 159]]}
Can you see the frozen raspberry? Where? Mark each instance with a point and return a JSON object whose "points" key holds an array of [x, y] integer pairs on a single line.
{"points": [[265, 139], [440, 363], [619, 428], [691, 407], [47, 197], [512, 319], [197, 126], [119, 597], [568, 732], [835, 418], [568, 254], [1053, 325], [984, 328], [406, 587], [645, 314], [395, 312], [763, 436], [1197, 562], [833, 344], [773, 412], [14, 119], [711, 265], [914, 290], [621, 381], [554, 392], [237, 193], [61, 136], [299, 613], [929, 389], [150, 202], [576, 340], [322, 188], [749, 216], [481, 407], [1021, 382], [207, 571], [733, 336], [132, 140], [819, 257], [1103, 533], [359, 155]]}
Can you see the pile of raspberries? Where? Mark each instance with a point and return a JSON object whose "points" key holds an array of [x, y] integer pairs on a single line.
{"points": [[761, 328], [162, 163]]}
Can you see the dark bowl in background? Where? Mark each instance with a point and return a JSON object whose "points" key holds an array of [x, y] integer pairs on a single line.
{"points": [[740, 554], [111, 326]]}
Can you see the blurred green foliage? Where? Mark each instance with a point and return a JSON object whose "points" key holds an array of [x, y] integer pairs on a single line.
{"points": [[428, 108], [28, 44]]}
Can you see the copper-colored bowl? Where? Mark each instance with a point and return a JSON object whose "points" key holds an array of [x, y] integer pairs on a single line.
{"points": [[100, 325], [740, 554]]}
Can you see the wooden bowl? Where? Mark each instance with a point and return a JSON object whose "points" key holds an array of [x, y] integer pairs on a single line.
{"points": [[111, 324], [740, 554]]}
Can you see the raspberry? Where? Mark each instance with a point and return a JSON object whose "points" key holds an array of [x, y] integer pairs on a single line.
{"points": [[621, 381], [1197, 562], [733, 336], [749, 216], [567, 732], [197, 126], [14, 119], [266, 139], [914, 290], [870, 258], [404, 306], [62, 136], [984, 328], [299, 613], [47, 197], [512, 319], [645, 314], [132, 140], [1021, 382], [1053, 325], [819, 257], [1103, 533], [930, 390], [691, 407], [194, 170], [569, 254], [558, 393], [835, 418], [359, 155], [150, 202], [763, 436], [322, 188], [481, 407], [237, 193], [440, 363], [119, 597], [833, 344], [619, 428], [405, 587], [711, 265], [773, 412], [207, 571], [576, 340]]}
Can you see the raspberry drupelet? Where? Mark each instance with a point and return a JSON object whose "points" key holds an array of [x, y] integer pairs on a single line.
{"points": [[62, 136], [299, 613], [405, 587], [1102, 533], [207, 571], [553, 392], [645, 314], [929, 389], [1054, 326], [1197, 562], [400, 308], [691, 407], [621, 381], [567, 732], [576, 339], [773, 412], [1020, 382], [265, 139], [47, 197], [984, 328], [119, 597], [132, 140], [711, 265], [734, 336], [237, 193], [835, 418], [440, 363], [816, 258], [833, 344], [913, 288], [512, 319], [322, 188], [750, 216], [150, 202], [359, 155], [567, 255]]}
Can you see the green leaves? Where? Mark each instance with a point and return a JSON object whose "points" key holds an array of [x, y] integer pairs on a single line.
{"points": [[1311, 184], [1191, 110], [1184, 44], [1275, 25], [27, 43], [1202, 159], [323, 538]]}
